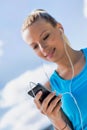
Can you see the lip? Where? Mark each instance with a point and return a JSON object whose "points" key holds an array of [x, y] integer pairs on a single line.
{"points": [[50, 54]]}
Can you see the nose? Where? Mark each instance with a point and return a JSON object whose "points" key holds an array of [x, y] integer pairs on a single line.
{"points": [[43, 48]]}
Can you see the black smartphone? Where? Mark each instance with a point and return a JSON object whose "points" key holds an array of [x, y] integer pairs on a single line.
{"points": [[39, 87]]}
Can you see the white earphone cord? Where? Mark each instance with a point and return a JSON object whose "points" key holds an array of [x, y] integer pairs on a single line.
{"points": [[30, 84], [70, 86]]}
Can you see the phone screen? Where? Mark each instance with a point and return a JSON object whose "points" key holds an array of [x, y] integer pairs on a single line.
{"points": [[37, 88]]}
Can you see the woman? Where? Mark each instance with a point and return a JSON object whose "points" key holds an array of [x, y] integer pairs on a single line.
{"points": [[69, 81]]}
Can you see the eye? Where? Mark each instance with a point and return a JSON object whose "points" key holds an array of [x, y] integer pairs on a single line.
{"points": [[35, 47], [45, 37]]}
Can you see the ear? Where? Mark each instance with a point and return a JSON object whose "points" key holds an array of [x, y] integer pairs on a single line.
{"points": [[60, 27]]}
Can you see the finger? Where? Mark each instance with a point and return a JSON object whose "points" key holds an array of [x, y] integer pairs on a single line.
{"points": [[36, 99], [53, 104], [57, 108], [46, 102]]}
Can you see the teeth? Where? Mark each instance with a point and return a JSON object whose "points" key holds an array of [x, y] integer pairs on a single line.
{"points": [[50, 53], [45, 55]]}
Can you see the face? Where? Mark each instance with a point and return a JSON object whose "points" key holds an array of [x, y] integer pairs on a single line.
{"points": [[45, 40]]}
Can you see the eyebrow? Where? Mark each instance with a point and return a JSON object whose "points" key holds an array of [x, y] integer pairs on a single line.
{"points": [[31, 44], [43, 32], [40, 36]]}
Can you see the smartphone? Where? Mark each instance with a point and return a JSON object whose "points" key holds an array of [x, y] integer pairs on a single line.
{"points": [[39, 87]]}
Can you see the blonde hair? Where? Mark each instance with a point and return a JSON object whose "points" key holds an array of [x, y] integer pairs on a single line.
{"points": [[35, 15], [40, 13], [66, 39]]}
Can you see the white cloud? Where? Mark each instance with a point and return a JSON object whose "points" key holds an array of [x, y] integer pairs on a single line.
{"points": [[16, 90], [85, 8], [24, 116], [1, 48], [23, 113]]}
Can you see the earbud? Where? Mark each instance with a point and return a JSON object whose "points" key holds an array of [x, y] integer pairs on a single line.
{"points": [[61, 30]]}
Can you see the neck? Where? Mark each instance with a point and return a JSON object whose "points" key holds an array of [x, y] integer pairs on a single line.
{"points": [[64, 65]]}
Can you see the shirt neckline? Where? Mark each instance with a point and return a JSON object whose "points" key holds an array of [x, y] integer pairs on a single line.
{"points": [[80, 73]]}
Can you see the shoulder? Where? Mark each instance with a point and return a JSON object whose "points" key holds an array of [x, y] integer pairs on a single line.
{"points": [[84, 50], [47, 85]]}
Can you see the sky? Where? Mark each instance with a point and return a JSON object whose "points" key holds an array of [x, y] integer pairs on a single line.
{"points": [[18, 63], [20, 112]]}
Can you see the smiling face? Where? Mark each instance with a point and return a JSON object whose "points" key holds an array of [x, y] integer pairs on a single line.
{"points": [[45, 40]]}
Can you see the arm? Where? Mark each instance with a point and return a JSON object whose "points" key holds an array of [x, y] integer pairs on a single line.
{"points": [[53, 111], [68, 125]]}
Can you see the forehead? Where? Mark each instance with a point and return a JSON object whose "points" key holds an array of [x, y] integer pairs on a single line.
{"points": [[34, 31], [39, 25]]}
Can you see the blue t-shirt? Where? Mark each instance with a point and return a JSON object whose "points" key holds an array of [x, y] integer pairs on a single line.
{"points": [[74, 101]]}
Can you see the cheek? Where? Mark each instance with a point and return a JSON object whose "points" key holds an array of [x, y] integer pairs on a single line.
{"points": [[38, 53], [54, 39]]}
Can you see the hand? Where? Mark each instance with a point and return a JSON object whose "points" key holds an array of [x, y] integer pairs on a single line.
{"points": [[51, 107], [52, 110]]}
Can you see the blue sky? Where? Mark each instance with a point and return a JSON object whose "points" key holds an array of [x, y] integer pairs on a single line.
{"points": [[16, 57]]}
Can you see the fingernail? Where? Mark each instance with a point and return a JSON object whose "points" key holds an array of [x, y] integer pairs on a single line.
{"points": [[60, 95], [40, 92], [54, 92]]}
